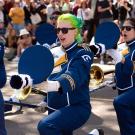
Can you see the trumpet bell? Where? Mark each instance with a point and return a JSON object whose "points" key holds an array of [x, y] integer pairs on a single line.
{"points": [[97, 75], [24, 93], [98, 72]]}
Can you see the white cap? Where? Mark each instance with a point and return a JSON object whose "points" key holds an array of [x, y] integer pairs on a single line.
{"points": [[23, 32]]}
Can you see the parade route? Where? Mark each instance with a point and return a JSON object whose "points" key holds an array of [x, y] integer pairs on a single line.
{"points": [[25, 122]]}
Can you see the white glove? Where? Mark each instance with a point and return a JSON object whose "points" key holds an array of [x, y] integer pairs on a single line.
{"points": [[98, 49], [49, 86], [101, 49], [19, 81], [42, 107], [115, 54]]}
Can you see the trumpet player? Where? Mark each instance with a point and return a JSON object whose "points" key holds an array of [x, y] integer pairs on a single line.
{"points": [[124, 103], [68, 91], [68, 98]]}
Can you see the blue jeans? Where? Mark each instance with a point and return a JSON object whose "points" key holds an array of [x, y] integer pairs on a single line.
{"points": [[18, 27], [2, 120], [124, 105], [64, 120]]}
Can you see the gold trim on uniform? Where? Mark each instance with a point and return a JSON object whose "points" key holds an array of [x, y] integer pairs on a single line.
{"points": [[70, 79], [61, 60], [85, 47]]}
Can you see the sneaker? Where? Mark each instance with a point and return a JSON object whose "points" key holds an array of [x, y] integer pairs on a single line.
{"points": [[96, 132]]}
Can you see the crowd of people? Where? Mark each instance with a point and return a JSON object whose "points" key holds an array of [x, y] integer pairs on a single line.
{"points": [[75, 23], [30, 14]]}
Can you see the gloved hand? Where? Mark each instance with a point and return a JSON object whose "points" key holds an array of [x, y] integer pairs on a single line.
{"points": [[20, 81], [116, 55], [98, 49], [49, 86], [42, 107]]}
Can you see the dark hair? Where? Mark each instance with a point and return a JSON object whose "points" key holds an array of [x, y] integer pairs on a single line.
{"points": [[132, 21], [56, 13]]}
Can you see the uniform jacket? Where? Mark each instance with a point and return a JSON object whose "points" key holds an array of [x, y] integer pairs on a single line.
{"points": [[125, 73], [73, 77]]}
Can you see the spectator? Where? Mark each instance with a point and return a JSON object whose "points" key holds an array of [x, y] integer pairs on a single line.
{"points": [[17, 16], [51, 8], [104, 11], [41, 10], [124, 9], [24, 41], [76, 6], [54, 17]]}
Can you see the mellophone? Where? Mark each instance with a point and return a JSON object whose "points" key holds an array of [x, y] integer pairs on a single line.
{"points": [[37, 63]]}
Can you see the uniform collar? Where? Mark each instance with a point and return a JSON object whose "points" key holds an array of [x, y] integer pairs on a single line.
{"points": [[131, 42], [71, 47], [131, 45]]}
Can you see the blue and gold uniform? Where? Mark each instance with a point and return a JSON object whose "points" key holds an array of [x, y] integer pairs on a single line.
{"points": [[125, 75], [72, 102], [125, 81]]}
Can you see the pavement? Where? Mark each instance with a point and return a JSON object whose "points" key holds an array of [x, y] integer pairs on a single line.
{"points": [[25, 122]]}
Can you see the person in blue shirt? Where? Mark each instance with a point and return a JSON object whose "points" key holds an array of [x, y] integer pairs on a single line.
{"points": [[124, 103], [2, 83], [68, 96]]}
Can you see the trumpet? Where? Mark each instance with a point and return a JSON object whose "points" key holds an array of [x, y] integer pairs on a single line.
{"points": [[24, 93], [98, 72], [23, 85]]}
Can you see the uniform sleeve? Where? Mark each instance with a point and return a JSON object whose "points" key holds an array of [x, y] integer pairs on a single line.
{"points": [[77, 73], [2, 67], [126, 68]]}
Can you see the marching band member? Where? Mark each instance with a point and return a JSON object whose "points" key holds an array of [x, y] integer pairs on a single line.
{"points": [[124, 103], [2, 83], [68, 91]]}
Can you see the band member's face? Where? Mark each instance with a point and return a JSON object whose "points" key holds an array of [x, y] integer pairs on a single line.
{"points": [[66, 33], [128, 31]]}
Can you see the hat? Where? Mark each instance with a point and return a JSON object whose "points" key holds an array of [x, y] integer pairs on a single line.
{"points": [[23, 32]]}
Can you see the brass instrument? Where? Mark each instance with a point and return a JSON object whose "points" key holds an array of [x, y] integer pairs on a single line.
{"points": [[98, 72], [24, 93]]}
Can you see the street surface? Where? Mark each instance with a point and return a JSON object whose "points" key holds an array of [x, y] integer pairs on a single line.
{"points": [[25, 122]]}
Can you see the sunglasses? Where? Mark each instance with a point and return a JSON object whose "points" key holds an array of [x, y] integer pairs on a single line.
{"points": [[53, 17], [63, 30], [127, 28]]}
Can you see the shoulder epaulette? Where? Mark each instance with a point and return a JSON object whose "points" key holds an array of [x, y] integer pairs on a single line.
{"points": [[84, 46]]}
